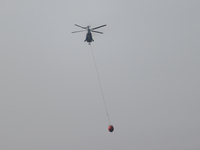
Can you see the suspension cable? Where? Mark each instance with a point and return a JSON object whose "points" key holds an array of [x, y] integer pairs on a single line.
{"points": [[100, 84]]}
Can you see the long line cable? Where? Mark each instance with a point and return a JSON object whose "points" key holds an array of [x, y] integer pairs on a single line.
{"points": [[100, 84]]}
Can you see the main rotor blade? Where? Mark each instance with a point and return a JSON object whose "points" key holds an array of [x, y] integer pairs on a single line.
{"points": [[97, 32], [98, 27], [80, 26], [78, 31]]}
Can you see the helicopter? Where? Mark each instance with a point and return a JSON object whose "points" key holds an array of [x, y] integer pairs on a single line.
{"points": [[89, 38]]}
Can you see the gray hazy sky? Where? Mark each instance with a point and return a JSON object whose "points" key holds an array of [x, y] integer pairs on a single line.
{"points": [[149, 64]]}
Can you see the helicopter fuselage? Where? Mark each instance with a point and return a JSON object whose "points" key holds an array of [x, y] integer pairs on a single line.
{"points": [[89, 37]]}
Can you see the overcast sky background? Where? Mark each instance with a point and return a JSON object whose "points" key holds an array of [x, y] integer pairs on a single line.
{"points": [[149, 64]]}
